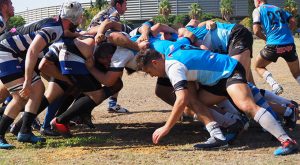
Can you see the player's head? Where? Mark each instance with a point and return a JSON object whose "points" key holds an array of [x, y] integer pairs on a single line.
{"points": [[151, 62], [120, 5], [103, 53], [257, 3], [7, 8], [72, 11]]}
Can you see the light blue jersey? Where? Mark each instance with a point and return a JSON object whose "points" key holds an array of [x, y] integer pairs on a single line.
{"points": [[216, 40], [188, 63], [275, 23]]}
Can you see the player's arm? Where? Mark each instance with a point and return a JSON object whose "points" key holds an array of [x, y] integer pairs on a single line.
{"points": [[108, 79], [106, 25], [177, 110], [209, 24], [292, 23], [37, 45], [257, 30]]}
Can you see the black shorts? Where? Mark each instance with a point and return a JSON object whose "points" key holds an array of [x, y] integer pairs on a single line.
{"points": [[63, 85], [85, 83], [272, 52], [164, 81], [220, 89], [240, 40]]}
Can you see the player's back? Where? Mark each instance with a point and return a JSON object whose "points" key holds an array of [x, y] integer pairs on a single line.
{"points": [[275, 23]]}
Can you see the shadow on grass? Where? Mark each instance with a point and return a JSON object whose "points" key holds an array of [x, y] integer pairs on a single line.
{"points": [[133, 135]]}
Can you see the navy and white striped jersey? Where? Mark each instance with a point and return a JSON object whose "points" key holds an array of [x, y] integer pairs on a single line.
{"points": [[2, 24], [110, 13], [18, 40]]}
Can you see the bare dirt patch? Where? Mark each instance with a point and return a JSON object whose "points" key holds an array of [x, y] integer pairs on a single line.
{"points": [[126, 138]]}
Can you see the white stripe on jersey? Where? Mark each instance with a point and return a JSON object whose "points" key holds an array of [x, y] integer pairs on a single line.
{"points": [[28, 39], [6, 44], [6, 56], [19, 43], [64, 55]]}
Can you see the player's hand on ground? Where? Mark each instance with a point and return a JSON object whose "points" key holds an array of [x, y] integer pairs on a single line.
{"points": [[159, 134], [100, 38]]}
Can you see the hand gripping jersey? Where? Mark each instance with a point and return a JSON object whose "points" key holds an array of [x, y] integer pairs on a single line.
{"points": [[275, 23], [188, 63], [215, 40]]}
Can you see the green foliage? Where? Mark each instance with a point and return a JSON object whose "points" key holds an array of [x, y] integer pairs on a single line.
{"points": [[181, 20], [251, 7], [15, 21], [226, 9], [247, 22], [291, 6], [195, 11], [219, 20], [88, 15], [207, 16], [100, 4], [165, 8]]}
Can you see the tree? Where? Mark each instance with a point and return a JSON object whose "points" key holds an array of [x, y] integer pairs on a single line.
{"points": [[195, 11], [226, 9], [16, 21], [251, 7], [291, 6], [100, 4], [165, 8]]}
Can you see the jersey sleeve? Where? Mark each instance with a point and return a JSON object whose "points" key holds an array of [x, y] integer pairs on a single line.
{"points": [[53, 53], [120, 58], [51, 33], [177, 72], [256, 16]]}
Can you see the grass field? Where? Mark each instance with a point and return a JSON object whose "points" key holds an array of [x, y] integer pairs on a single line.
{"points": [[126, 138]]}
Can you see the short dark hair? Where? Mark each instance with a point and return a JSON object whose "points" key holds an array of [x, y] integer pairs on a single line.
{"points": [[113, 3], [4, 2], [144, 58], [104, 50]]}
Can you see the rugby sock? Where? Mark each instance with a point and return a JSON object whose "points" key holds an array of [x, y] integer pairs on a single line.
{"points": [[51, 111], [43, 105], [298, 79], [226, 104], [272, 97], [214, 130], [268, 122], [83, 104], [269, 78], [5, 122], [28, 119], [222, 120], [66, 102], [112, 101]]}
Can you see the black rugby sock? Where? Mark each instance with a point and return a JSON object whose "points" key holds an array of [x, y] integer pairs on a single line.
{"points": [[5, 122], [81, 105]]}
